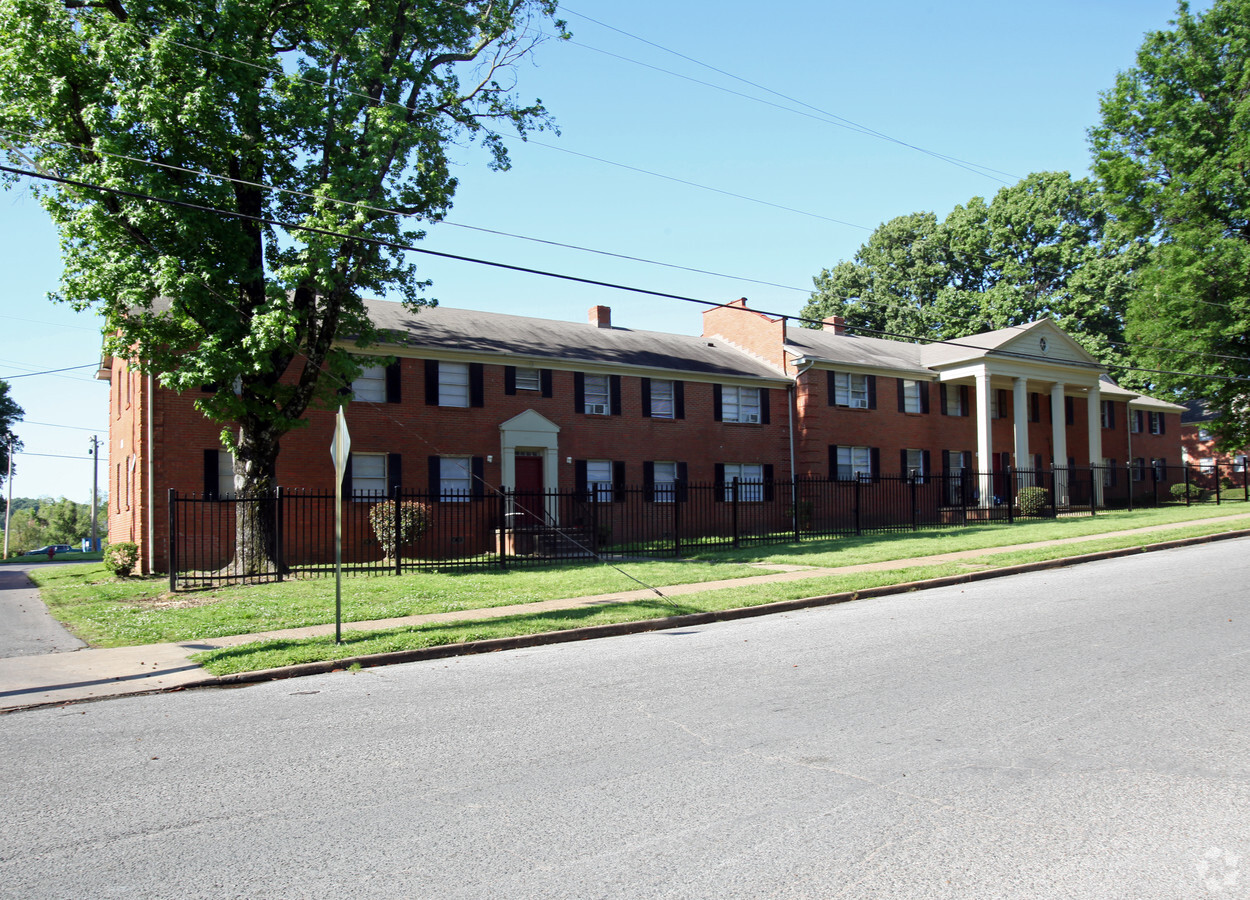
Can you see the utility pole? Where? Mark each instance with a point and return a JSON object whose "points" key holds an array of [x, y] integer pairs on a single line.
{"points": [[8, 503], [94, 453]]}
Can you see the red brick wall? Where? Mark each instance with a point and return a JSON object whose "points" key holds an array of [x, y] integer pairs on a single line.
{"points": [[749, 330]]}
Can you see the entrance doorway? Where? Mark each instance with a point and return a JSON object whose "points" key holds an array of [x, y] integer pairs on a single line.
{"points": [[529, 490]]}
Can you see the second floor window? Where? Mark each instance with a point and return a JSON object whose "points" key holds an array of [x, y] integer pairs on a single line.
{"points": [[1156, 423], [662, 406], [740, 404], [453, 384], [370, 385], [598, 395], [852, 390], [911, 396]]}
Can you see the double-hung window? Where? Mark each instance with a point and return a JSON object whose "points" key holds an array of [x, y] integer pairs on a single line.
{"points": [[664, 486], [598, 396], [750, 478], [1107, 413], [455, 478], [954, 401], [911, 396], [599, 478], [368, 475], [1135, 421], [740, 404], [854, 463], [528, 379], [852, 390], [1156, 423], [453, 384], [370, 385], [914, 464], [662, 405], [1139, 469]]}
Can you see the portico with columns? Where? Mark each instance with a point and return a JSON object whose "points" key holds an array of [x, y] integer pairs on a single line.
{"points": [[1018, 362]]}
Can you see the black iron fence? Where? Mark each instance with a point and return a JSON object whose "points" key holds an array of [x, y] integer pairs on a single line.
{"points": [[410, 530]]}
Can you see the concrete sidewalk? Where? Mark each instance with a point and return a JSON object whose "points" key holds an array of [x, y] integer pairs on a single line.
{"points": [[93, 674]]}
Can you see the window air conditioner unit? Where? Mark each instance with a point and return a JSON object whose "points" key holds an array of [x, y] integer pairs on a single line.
{"points": [[597, 409], [859, 404], [751, 418]]}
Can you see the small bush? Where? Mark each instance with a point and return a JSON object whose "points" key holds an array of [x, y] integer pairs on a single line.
{"points": [[1032, 501], [121, 558], [1196, 494], [414, 521]]}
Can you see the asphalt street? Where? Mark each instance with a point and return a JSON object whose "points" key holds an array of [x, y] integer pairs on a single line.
{"points": [[1075, 733]]}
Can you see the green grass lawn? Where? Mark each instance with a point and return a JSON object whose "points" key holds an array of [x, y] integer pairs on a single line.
{"points": [[108, 612]]}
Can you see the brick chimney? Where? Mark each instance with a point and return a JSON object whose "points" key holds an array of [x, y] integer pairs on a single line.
{"points": [[836, 324], [601, 316]]}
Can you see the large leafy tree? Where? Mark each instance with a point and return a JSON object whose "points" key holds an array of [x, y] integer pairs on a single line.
{"points": [[1038, 248], [348, 106], [1173, 151], [10, 415]]}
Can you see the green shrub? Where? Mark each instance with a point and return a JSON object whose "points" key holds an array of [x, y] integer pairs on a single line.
{"points": [[414, 521], [1196, 494], [1032, 501], [120, 558]]}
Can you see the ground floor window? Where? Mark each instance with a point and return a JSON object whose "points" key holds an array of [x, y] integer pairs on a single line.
{"points": [[750, 477]]}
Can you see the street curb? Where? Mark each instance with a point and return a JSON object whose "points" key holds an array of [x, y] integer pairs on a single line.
{"points": [[593, 632]]}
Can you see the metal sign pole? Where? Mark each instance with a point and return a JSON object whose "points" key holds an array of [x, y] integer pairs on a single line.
{"points": [[340, 447]]}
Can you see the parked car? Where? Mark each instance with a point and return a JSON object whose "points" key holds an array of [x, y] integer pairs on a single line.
{"points": [[50, 548]]}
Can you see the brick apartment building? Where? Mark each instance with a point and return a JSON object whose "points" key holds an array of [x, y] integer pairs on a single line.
{"points": [[1198, 438], [474, 399]]}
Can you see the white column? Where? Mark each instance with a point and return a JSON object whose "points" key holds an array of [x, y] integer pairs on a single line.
{"points": [[1059, 446], [1094, 414], [985, 437], [1020, 404]]}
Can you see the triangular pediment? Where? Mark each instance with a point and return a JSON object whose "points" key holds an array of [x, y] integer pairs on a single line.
{"points": [[532, 422], [1042, 342]]}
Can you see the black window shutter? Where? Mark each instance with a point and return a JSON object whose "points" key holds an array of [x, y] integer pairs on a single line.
{"points": [[765, 413], [902, 404], [681, 482], [614, 390], [431, 382], [717, 400], [872, 391], [646, 398], [946, 461], [963, 400], [902, 463], [924, 396], [1035, 407], [1037, 462], [210, 474], [874, 463], [434, 475], [1111, 463], [1163, 427], [1002, 404], [579, 477], [966, 455], [1069, 411], [478, 468], [394, 472], [544, 379], [1111, 415], [942, 391], [926, 465], [509, 380], [679, 400], [477, 390], [768, 481], [718, 483], [618, 480], [579, 392], [648, 480], [831, 388], [392, 383]]}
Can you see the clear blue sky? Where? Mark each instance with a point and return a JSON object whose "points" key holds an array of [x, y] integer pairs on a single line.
{"points": [[1009, 86]]}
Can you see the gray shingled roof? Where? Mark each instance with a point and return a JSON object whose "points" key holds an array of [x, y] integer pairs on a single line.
{"points": [[469, 331], [854, 350]]}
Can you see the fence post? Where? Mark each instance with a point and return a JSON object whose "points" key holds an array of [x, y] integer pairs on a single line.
{"points": [[1011, 495], [277, 529], [502, 535], [735, 511], [1217, 484], [395, 524], [1245, 484], [1185, 467], [963, 496], [1093, 489], [858, 529], [1128, 483], [915, 511], [678, 493], [1054, 491], [172, 541]]}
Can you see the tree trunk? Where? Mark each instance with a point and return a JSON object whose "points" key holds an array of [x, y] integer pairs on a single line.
{"points": [[255, 529]]}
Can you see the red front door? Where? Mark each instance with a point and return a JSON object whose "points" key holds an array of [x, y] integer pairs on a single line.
{"points": [[529, 490]]}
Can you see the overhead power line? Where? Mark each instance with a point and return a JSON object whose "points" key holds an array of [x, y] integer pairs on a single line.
{"points": [[394, 245]]}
